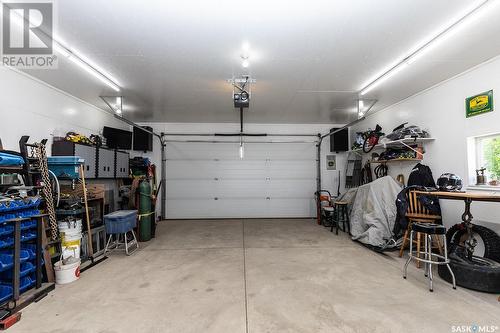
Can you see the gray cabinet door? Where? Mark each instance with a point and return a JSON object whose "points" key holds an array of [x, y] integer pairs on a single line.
{"points": [[106, 168], [88, 153], [122, 164]]}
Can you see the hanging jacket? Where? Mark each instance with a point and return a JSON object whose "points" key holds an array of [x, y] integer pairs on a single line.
{"points": [[421, 175], [429, 202]]}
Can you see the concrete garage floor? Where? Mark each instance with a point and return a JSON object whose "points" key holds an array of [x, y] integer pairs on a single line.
{"points": [[258, 276]]}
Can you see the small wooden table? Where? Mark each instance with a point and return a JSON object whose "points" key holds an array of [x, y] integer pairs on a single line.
{"points": [[467, 197]]}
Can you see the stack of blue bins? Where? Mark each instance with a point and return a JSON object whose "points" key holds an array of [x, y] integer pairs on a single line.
{"points": [[11, 209]]}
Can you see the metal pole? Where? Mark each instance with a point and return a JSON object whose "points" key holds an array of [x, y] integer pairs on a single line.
{"points": [[163, 178], [318, 178], [318, 165], [241, 120]]}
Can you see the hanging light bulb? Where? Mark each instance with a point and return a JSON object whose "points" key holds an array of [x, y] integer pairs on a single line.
{"points": [[242, 149]]}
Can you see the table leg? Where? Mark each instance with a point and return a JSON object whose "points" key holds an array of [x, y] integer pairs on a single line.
{"points": [[471, 242]]}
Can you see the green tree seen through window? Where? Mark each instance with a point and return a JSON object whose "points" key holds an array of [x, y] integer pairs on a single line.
{"points": [[492, 157]]}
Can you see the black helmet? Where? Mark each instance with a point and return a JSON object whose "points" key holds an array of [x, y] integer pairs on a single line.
{"points": [[449, 182]]}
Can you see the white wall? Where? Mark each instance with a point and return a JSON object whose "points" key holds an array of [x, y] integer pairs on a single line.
{"points": [[31, 107], [441, 111], [329, 178]]}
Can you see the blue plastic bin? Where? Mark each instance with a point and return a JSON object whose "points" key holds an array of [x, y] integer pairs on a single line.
{"points": [[24, 269], [27, 235], [27, 225], [30, 250], [6, 229], [24, 255], [25, 283], [6, 261], [19, 204], [10, 160], [120, 222], [6, 241], [65, 166], [6, 293]]}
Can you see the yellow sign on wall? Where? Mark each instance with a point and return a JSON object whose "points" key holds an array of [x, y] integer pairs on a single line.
{"points": [[479, 104]]}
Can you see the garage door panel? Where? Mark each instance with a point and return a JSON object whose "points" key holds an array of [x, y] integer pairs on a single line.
{"points": [[202, 151], [291, 169], [242, 169], [281, 151], [291, 207], [182, 169], [222, 208], [191, 189], [291, 188], [239, 188]]}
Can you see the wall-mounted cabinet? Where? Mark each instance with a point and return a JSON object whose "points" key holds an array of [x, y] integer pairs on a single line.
{"points": [[87, 153], [122, 164], [105, 163], [99, 162]]}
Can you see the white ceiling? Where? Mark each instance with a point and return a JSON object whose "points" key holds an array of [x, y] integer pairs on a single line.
{"points": [[172, 58]]}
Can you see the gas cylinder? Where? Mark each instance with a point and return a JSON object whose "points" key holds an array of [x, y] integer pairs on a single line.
{"points": [[145, 211]]}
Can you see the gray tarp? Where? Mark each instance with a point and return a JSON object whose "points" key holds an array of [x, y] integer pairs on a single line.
{"points": [[373, 210]]}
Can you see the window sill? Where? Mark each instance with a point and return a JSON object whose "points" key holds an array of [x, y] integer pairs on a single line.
{"points": [[487, 188]]}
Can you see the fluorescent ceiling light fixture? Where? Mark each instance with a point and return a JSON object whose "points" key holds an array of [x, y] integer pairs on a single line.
{"points": [[470, 15], [384, 77], [91, 70], [74, 56]]}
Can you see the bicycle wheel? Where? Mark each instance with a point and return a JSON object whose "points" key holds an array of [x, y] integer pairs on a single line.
{"points": [[370, 142]]}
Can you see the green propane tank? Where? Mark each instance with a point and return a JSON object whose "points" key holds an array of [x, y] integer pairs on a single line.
{"points": [[145, 211]]}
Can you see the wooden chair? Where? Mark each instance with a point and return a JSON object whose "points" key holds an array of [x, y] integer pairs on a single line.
{"points": [[418, 213]]}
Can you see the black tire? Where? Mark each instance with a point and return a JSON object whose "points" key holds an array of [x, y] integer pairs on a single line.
{"points": [[366, 144], [481, 274], [490, 239]]}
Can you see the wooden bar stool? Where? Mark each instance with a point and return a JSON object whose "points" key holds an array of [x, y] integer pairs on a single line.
{"points": [[341, 215], [418, 213]]}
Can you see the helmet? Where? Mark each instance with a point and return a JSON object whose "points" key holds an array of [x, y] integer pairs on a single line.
{"points": [[449, 182], [402, 132]]}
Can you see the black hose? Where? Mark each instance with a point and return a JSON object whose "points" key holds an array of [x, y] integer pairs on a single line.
{"points": [[381, 170]]}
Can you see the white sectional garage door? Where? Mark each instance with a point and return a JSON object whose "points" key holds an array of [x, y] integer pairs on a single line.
{"points": [[209, 180]]}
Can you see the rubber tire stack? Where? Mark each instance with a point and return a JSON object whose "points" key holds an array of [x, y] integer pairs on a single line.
{"points": [[482, 274]]}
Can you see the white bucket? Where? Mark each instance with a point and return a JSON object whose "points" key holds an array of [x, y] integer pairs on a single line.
{"points": [[65, 225], [70, 242], [66, 273]]}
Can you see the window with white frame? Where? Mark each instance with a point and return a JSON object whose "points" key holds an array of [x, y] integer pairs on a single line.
{"points": [[488, 157]]}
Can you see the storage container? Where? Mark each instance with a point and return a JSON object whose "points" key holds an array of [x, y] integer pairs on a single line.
{"points": [[6, 261], [24, 269], [25, 283], [120, 222], [66, 167], [67, 273], [7, 159], [5, 293]]}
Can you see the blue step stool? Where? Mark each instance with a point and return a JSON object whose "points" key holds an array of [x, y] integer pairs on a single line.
{"points": [[119, 224]]}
